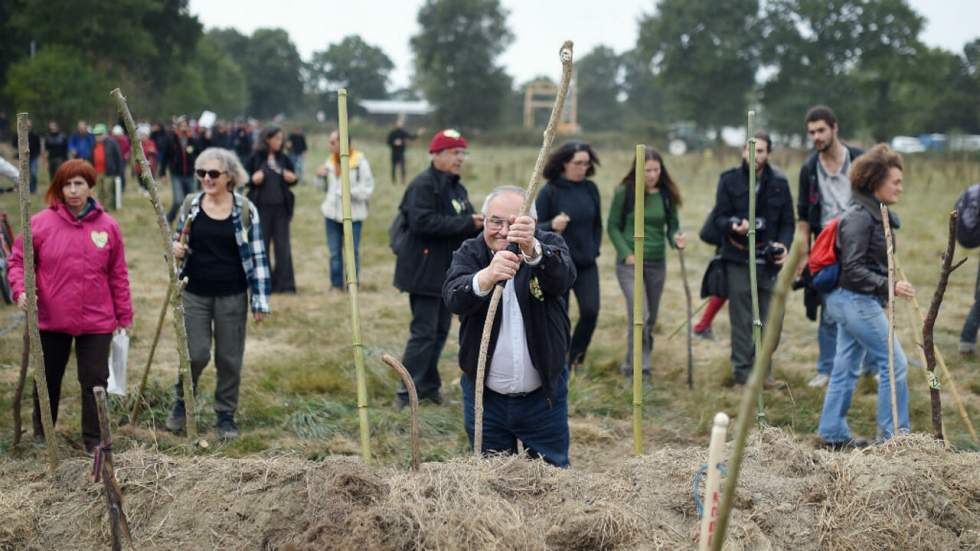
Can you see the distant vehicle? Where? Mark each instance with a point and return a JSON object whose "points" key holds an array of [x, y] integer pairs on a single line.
{"points": [[907, 144], [966, 142]]}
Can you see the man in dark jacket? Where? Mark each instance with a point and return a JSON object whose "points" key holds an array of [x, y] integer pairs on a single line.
{"points": [[525, 392], [824, 194], [397, 141], [109, 165], [182, 149], [439, 216], [55, 148], [774, 233]]}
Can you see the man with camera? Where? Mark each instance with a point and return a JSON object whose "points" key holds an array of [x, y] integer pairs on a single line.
{"points": [[774, 232]]}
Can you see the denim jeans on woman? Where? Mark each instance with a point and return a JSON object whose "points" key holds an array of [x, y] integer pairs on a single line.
{"points": [[335, 242], [862, 328]]}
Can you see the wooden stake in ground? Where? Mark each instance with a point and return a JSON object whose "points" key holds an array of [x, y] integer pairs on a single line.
{"points": [[25, 361], [890, 251], [930, 322], [712, 486], [138, 402], [176, 305], [777, 307], [639, 294], [104, 470], [753, 267], [565, 54], [350, 271], [30, 289], [950, 383], [690, 314], [413, 404]]}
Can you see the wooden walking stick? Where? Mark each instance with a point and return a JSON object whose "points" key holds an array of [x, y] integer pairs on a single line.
{"points": [[890, 251], [350, 270], [690, 314], [639, 187], [134, 415], [565, 54], [176, 305], [753, 276], [712, 487], [413, 403], [759, 372], [25, 361], [105, 471], [30, 289], [950, 383]]}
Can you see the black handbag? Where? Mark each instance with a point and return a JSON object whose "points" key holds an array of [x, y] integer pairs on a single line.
{"points": [[715, 283]]}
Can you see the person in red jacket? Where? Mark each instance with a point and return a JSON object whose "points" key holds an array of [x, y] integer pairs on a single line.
{"points": [[82, 288]]}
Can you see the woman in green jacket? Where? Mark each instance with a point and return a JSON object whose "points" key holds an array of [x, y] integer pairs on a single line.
{"points": [[660, 228]]}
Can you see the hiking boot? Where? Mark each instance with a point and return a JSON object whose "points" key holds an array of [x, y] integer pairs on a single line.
{"points": [[855, 443], [227, 429], [968, 349], [819, 381], [705, 334], [177, 420], [401, 402]]}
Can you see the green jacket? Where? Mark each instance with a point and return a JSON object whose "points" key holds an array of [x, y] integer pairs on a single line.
{"points": [[661, 223]]}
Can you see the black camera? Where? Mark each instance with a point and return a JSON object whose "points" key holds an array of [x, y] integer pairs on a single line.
{"points": [[772, 251]]}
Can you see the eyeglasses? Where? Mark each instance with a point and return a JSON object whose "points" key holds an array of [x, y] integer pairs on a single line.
{"points": [[214, 174], [497, 224]]}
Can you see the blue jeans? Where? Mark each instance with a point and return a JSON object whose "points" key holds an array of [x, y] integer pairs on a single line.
{"points": [[826, 339], [862, 329], [541, 425], [297, 166], [33, 180], [181, 186], [335, 242]]}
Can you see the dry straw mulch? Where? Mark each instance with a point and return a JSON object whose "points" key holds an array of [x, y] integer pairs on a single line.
{"points": [[907, 494]]}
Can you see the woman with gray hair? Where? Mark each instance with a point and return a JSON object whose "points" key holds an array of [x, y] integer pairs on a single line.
{"points": [[219, 240]]}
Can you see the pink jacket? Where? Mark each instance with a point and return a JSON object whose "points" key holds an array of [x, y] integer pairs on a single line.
{"points": [[82, 280]]}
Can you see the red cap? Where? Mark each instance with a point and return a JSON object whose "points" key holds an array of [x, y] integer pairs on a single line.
{"points": [[446, 139]]}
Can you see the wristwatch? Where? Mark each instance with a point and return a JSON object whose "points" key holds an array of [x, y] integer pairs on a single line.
{"points": [[537, 252]]}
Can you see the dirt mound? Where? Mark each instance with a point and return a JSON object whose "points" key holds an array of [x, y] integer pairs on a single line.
{"points": [[908, 494]]}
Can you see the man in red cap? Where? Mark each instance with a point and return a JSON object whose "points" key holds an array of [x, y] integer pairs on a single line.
{"points": [[438, 217]]}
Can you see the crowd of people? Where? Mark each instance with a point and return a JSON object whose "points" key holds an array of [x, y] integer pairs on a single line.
{"points": [[232, 204]]}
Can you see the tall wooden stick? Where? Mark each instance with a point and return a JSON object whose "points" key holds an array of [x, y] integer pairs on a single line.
{"points": [[890, 251], [565, 54], [690, 314], [104, 469], [25, 362], [30, 289], [950, 383], [753, 267], [712, 486], [759, 372], [413, 403], [930, 322], [138, 403], [350, 269], [639, 293], [166, 241]]}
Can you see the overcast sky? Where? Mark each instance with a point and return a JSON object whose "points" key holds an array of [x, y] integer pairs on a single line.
{"points": [[539, 26]]}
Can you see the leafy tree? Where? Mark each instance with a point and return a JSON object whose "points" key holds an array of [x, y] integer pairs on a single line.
{"points": [[56, 84], [272, 69], [353, 64], [210, 80], [455, 60], [599, 84]]}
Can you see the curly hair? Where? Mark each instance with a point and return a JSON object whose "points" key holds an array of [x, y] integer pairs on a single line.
{"points": [[555, 166], [869, 171]]}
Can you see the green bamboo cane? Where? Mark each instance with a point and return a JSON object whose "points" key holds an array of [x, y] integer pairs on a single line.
{"points": [[639, 183], [350, 273], [759, 372], [30, 289], [753, 276]]}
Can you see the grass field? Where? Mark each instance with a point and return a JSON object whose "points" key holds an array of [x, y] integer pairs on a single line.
{"points": [[298, 382]]}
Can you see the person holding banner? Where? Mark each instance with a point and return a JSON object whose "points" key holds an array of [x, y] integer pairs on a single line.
{"points": [[82, 288]]}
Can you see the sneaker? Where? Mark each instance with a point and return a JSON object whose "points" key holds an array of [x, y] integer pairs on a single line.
{"points": [[819, 381], [401, 402], [855, 443], [706, 334], [177, 420], [227, 429], [968, 349]]}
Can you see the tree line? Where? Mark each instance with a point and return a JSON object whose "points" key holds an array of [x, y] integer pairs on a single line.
{"points": [[697, 61]]}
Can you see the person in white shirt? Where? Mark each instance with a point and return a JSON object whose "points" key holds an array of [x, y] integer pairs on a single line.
{"points": [[526, 386]]}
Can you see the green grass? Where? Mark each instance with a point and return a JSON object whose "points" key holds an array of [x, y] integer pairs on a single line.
{"points": [[298, 380]]}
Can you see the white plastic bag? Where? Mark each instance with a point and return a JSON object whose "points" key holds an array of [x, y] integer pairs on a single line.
{"points": [[118, 359]]}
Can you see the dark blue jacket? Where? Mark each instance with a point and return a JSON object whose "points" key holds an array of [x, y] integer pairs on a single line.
{"points": [[540, 292], [583, 239], [774, 208]]}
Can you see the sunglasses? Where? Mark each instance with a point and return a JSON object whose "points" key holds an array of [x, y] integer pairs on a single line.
{"points": [[214, 174]]}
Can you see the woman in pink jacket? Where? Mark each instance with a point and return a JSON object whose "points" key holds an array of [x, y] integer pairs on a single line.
{"points": [[82, 288]]}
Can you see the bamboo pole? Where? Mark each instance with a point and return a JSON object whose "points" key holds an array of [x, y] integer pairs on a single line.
{"points": [[639, 292], [712, 486], [350, 270], [689, 319], [941, 360], [413, 402], [134, 415], [104, 470], [777, 307], [565, 55], [176, 305], [690, 314], [753, 267], [30, 289], [890, 251], [25, 362]]}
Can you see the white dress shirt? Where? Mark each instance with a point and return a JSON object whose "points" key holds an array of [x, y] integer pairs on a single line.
{"points": [[511, 370]]}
